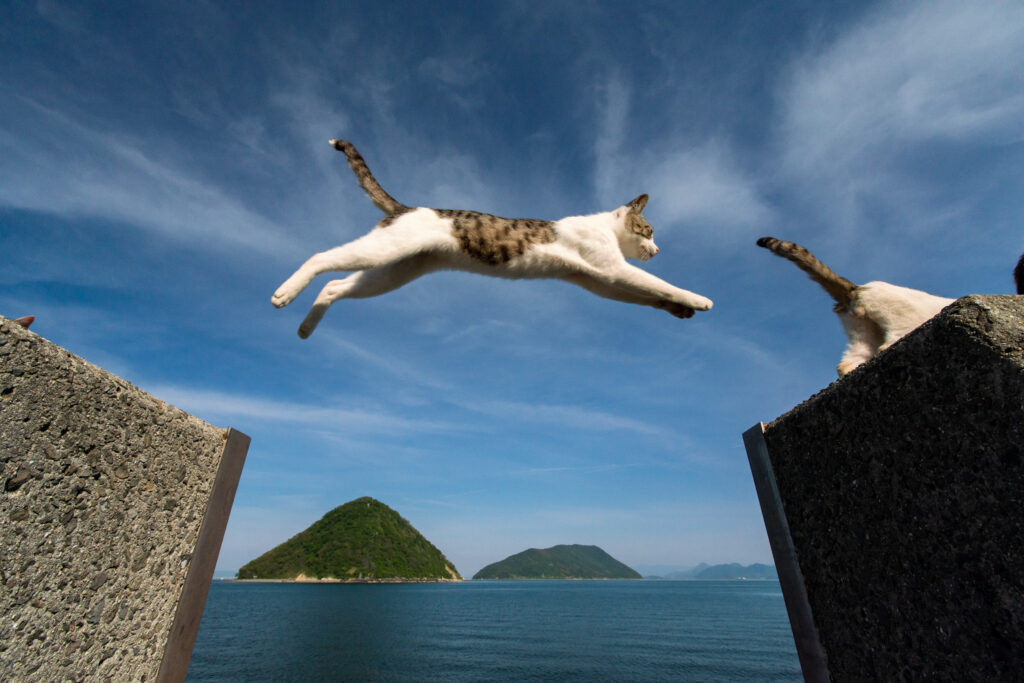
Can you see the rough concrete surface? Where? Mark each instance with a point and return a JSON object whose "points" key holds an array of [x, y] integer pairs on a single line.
{"points": [[903, 487], [104, 489]]}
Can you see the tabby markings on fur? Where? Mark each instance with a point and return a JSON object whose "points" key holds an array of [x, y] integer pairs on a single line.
{"points": [[874, 315], [588, 251], [496, 240]]}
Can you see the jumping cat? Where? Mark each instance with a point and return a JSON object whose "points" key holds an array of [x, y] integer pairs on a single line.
{"points": [[874, 315], [589, 251]]}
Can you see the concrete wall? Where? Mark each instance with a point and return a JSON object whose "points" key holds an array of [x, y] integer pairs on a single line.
{"points": [[903, 489], [104, 493]]}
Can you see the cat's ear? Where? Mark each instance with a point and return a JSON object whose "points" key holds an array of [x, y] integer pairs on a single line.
{"points": [[638, 204]]}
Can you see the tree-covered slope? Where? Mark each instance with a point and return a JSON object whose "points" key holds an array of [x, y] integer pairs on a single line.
{"points": [[559, 562], [362, 539]]}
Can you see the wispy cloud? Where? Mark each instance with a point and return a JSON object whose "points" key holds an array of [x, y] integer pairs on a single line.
{"points": [[612, 105], [64, 16], [59, 166], [909, 73], [569, 416], [213, 404], [457, 75], [217, 404], [406, 371], [444, 178], [543, 470], [739, 346], [705, 185], [695, 182], [488, 329], [313, 116]]}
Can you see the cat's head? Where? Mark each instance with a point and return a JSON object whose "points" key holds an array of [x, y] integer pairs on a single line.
{"points": [[636, 236]]}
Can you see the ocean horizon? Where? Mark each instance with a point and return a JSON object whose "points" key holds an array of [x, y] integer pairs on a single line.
{"points": [[496, 630]]}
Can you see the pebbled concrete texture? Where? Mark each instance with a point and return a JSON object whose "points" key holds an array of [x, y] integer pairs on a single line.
{"points": [[103, 489], [903, 487]]}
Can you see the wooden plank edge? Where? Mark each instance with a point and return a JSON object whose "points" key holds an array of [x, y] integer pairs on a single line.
{"points": [[813, 661], [182, 637]]}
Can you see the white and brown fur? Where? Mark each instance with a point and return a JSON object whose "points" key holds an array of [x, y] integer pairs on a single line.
{"points": [[875, 315], [589, 251]]}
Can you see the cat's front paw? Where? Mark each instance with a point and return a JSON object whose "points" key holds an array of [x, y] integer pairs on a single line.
{"points": [[686, 309], [700, 303], [677, 309], [282, 298], [287, 292]]}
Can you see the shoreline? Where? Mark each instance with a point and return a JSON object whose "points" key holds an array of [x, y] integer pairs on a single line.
{"points": [[333, 580], [395, 580]]}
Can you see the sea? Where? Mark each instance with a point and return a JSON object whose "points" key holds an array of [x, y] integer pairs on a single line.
{"points": [[496, 631]]}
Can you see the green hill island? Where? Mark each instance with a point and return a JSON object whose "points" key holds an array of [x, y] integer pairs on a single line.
{"points": [[362, 541], [559, 562]]}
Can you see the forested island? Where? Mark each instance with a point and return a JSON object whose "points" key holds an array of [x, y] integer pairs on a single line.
{"points": [[559, 562], [363, 540]]}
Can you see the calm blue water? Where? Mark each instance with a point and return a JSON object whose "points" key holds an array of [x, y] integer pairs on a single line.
{"points": [[496, 631]]}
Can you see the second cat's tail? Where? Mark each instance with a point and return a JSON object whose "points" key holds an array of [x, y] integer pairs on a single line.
{"points": [[839, 288], [378, 196]]}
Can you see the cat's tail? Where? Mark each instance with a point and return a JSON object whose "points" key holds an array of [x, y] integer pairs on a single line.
{"points": [[378, 196], [839, 288]]}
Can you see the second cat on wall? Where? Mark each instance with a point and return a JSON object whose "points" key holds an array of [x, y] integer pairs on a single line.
{"points": [[874, 315]]}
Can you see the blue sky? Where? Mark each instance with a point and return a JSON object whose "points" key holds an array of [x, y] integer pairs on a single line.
{"points": [[165, 166]]}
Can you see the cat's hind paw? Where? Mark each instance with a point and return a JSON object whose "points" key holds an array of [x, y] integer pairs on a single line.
{"points": [[848, 366], [316, 313]]}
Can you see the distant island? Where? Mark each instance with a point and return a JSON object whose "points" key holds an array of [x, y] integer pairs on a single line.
{"points": [[361, 541], [559, 562], [722, 572]]}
